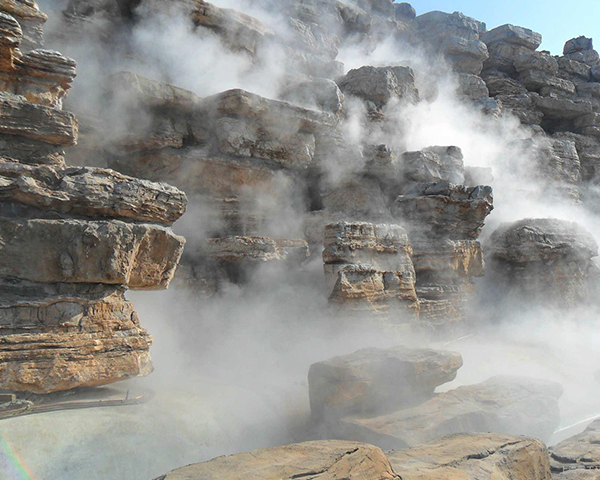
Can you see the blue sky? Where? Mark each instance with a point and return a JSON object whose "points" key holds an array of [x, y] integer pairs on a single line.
{"points": [[556, 20]]}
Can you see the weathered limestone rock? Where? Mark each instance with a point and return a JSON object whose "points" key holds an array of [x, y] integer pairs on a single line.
{"points": [[543, 259], [444, 209], [505, 405], [373, 380], [562, 108], [472, 87], [378, 85], [588, 150], [404, 11], [578, 44], [357, 200], [61, 336], [140, 256], [523, 107], [317, 93], [256, 249], [30, 19], [512, 34], [321, 460], [72, 239], [581, 452], [247, 125], [368, 267], [483, 456], [454, 36]]}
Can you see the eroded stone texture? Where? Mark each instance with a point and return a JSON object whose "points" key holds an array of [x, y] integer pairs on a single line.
{"points": [[369, 267], [484, 456], [546, 260], [72, 239], [321, 460], [580, 452], [374, 380], [506, 405]]}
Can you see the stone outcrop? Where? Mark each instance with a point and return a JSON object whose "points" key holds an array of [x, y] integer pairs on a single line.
{"points": [[506, 405], [373, 380], [322, 460], [578, 453], [483, 456], [369, 267], [544, 260], [73, 239]]}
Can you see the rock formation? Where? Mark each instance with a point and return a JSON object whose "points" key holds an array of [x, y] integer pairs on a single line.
{"points": [[467, 455], [322, 460], [73, 238], [578, 453], [544, 259], [375, 381], [508, 405]]}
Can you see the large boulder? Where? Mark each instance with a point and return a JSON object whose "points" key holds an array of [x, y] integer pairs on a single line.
{"points": [[544, 259], [373, 380], [507, 405], [483, 456], [321, 460]]}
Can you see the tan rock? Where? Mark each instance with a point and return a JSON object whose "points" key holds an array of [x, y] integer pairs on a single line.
{"points": [[465, 456], [580, 452], [256, 249], [320, 460], [141, 256], [90, 192], [374, 380], [56, 337]]}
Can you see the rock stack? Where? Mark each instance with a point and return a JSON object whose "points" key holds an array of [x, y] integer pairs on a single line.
{"points": [[72, 240]]}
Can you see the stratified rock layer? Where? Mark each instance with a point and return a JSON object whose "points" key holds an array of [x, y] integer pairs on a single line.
{"points": [[72, 240], [509, 405], [581, 452]]}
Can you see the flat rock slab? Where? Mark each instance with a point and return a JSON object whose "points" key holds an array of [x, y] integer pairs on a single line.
{"points": [[235, 249], [140, 256], [376, 380], [321, 460], [465, 456], [579, 452], [509, 405], [37, 122], [90, 192]]}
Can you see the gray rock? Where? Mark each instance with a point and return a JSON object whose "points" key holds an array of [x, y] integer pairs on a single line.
{"points": [[379, 85], [560, 108], [580, 452], [434, 164], [472, 87], [578, 44], [512, 34], [374, 380], [320, 93], [405, 11]]}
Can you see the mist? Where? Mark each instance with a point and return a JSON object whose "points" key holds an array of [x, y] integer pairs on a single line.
{"points": [[231, 367]]}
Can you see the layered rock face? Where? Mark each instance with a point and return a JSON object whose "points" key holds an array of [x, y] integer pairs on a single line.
{"points": [[73, 239], [544, 260]]}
